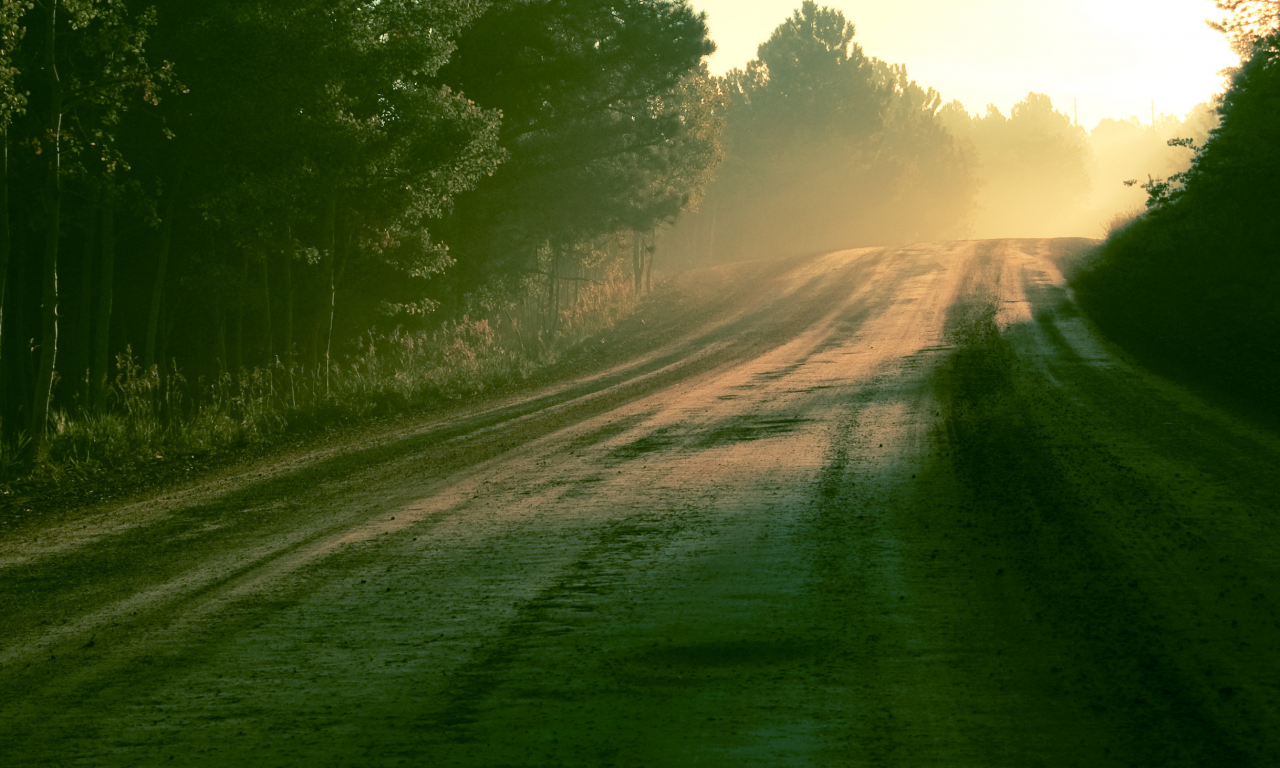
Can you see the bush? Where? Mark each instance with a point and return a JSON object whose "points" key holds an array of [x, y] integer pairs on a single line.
{"points": [[1190, 286]]}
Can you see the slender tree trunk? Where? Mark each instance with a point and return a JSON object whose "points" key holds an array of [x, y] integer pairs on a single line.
{"points": [[19, 373], [162, 265], [266, 314], [6, 243], [314, 342], [84, 324], [711, 250], [333, 305], [53, 223], [99, 373], [553, 301], [237, 334], [328, 257], [6, 247], [463, 265], [328, 266], [165, 362], [637, 261], [288, 296], [165, 405], [48, 313], [648, 270], [220, 341]]}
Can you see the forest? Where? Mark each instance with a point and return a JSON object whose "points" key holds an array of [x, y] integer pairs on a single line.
{"points": [[207, 206], [219, 221]]}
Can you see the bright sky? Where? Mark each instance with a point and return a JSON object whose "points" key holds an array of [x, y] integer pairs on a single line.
{"points": [[1115, 56]]}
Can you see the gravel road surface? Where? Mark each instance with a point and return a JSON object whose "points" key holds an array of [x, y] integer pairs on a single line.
{"points": [[882, 507]]}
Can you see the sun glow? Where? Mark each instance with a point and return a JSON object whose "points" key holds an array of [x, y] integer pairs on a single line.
{"points": [[1112, 58]]}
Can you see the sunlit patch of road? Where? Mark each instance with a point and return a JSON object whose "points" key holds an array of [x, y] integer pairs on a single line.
{"points": [[901, 508]]}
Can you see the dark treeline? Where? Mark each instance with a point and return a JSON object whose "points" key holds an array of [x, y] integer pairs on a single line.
{"points": [[228, 184], [1191, 284]]}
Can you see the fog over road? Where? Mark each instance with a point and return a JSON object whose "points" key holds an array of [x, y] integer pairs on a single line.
{"points": [[884, 507]]}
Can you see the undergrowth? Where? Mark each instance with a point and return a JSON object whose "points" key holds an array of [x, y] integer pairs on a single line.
{"points": [[149, 415]]}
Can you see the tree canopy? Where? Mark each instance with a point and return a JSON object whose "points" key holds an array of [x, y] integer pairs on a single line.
{"points": [[607, 117], [284, 176]]}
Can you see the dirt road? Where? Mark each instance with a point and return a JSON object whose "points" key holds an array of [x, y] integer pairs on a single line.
{"points": [[881, 507]]}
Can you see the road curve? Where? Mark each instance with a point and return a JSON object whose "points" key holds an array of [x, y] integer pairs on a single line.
{"points": [[883, 507]]}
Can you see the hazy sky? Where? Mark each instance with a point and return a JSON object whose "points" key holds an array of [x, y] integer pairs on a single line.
{"points": [[1115, 56]]}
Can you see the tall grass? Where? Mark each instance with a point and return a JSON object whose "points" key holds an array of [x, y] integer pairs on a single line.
{"points": [[149, 416]]}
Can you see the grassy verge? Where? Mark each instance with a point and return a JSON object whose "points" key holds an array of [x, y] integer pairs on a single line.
{"points": [[154, 417]]}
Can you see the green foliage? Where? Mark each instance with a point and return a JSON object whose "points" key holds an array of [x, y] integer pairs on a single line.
{"points": [[13, 101], [103, 72], [608, 116], [813, 70], [280, 178], [1191, 284], [348, 146]]}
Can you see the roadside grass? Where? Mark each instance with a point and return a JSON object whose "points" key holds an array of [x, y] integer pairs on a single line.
{"points": [[151, 417]]}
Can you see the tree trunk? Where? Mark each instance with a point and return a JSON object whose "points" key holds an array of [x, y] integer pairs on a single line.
{"points": [[333, 304], [167, 321], [53, 222], [163, 402], [462, 266], [48, 311], [266, 314], [329, 239], [648, 269], [637, 261], [711, 249], [237, 335], [288, 296], [6, 244], [6, 247], [553, 301], [328, 265], [220, 342], [99, 373], [84, 317], [162, 265], [18, 371], [166, 363]]}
